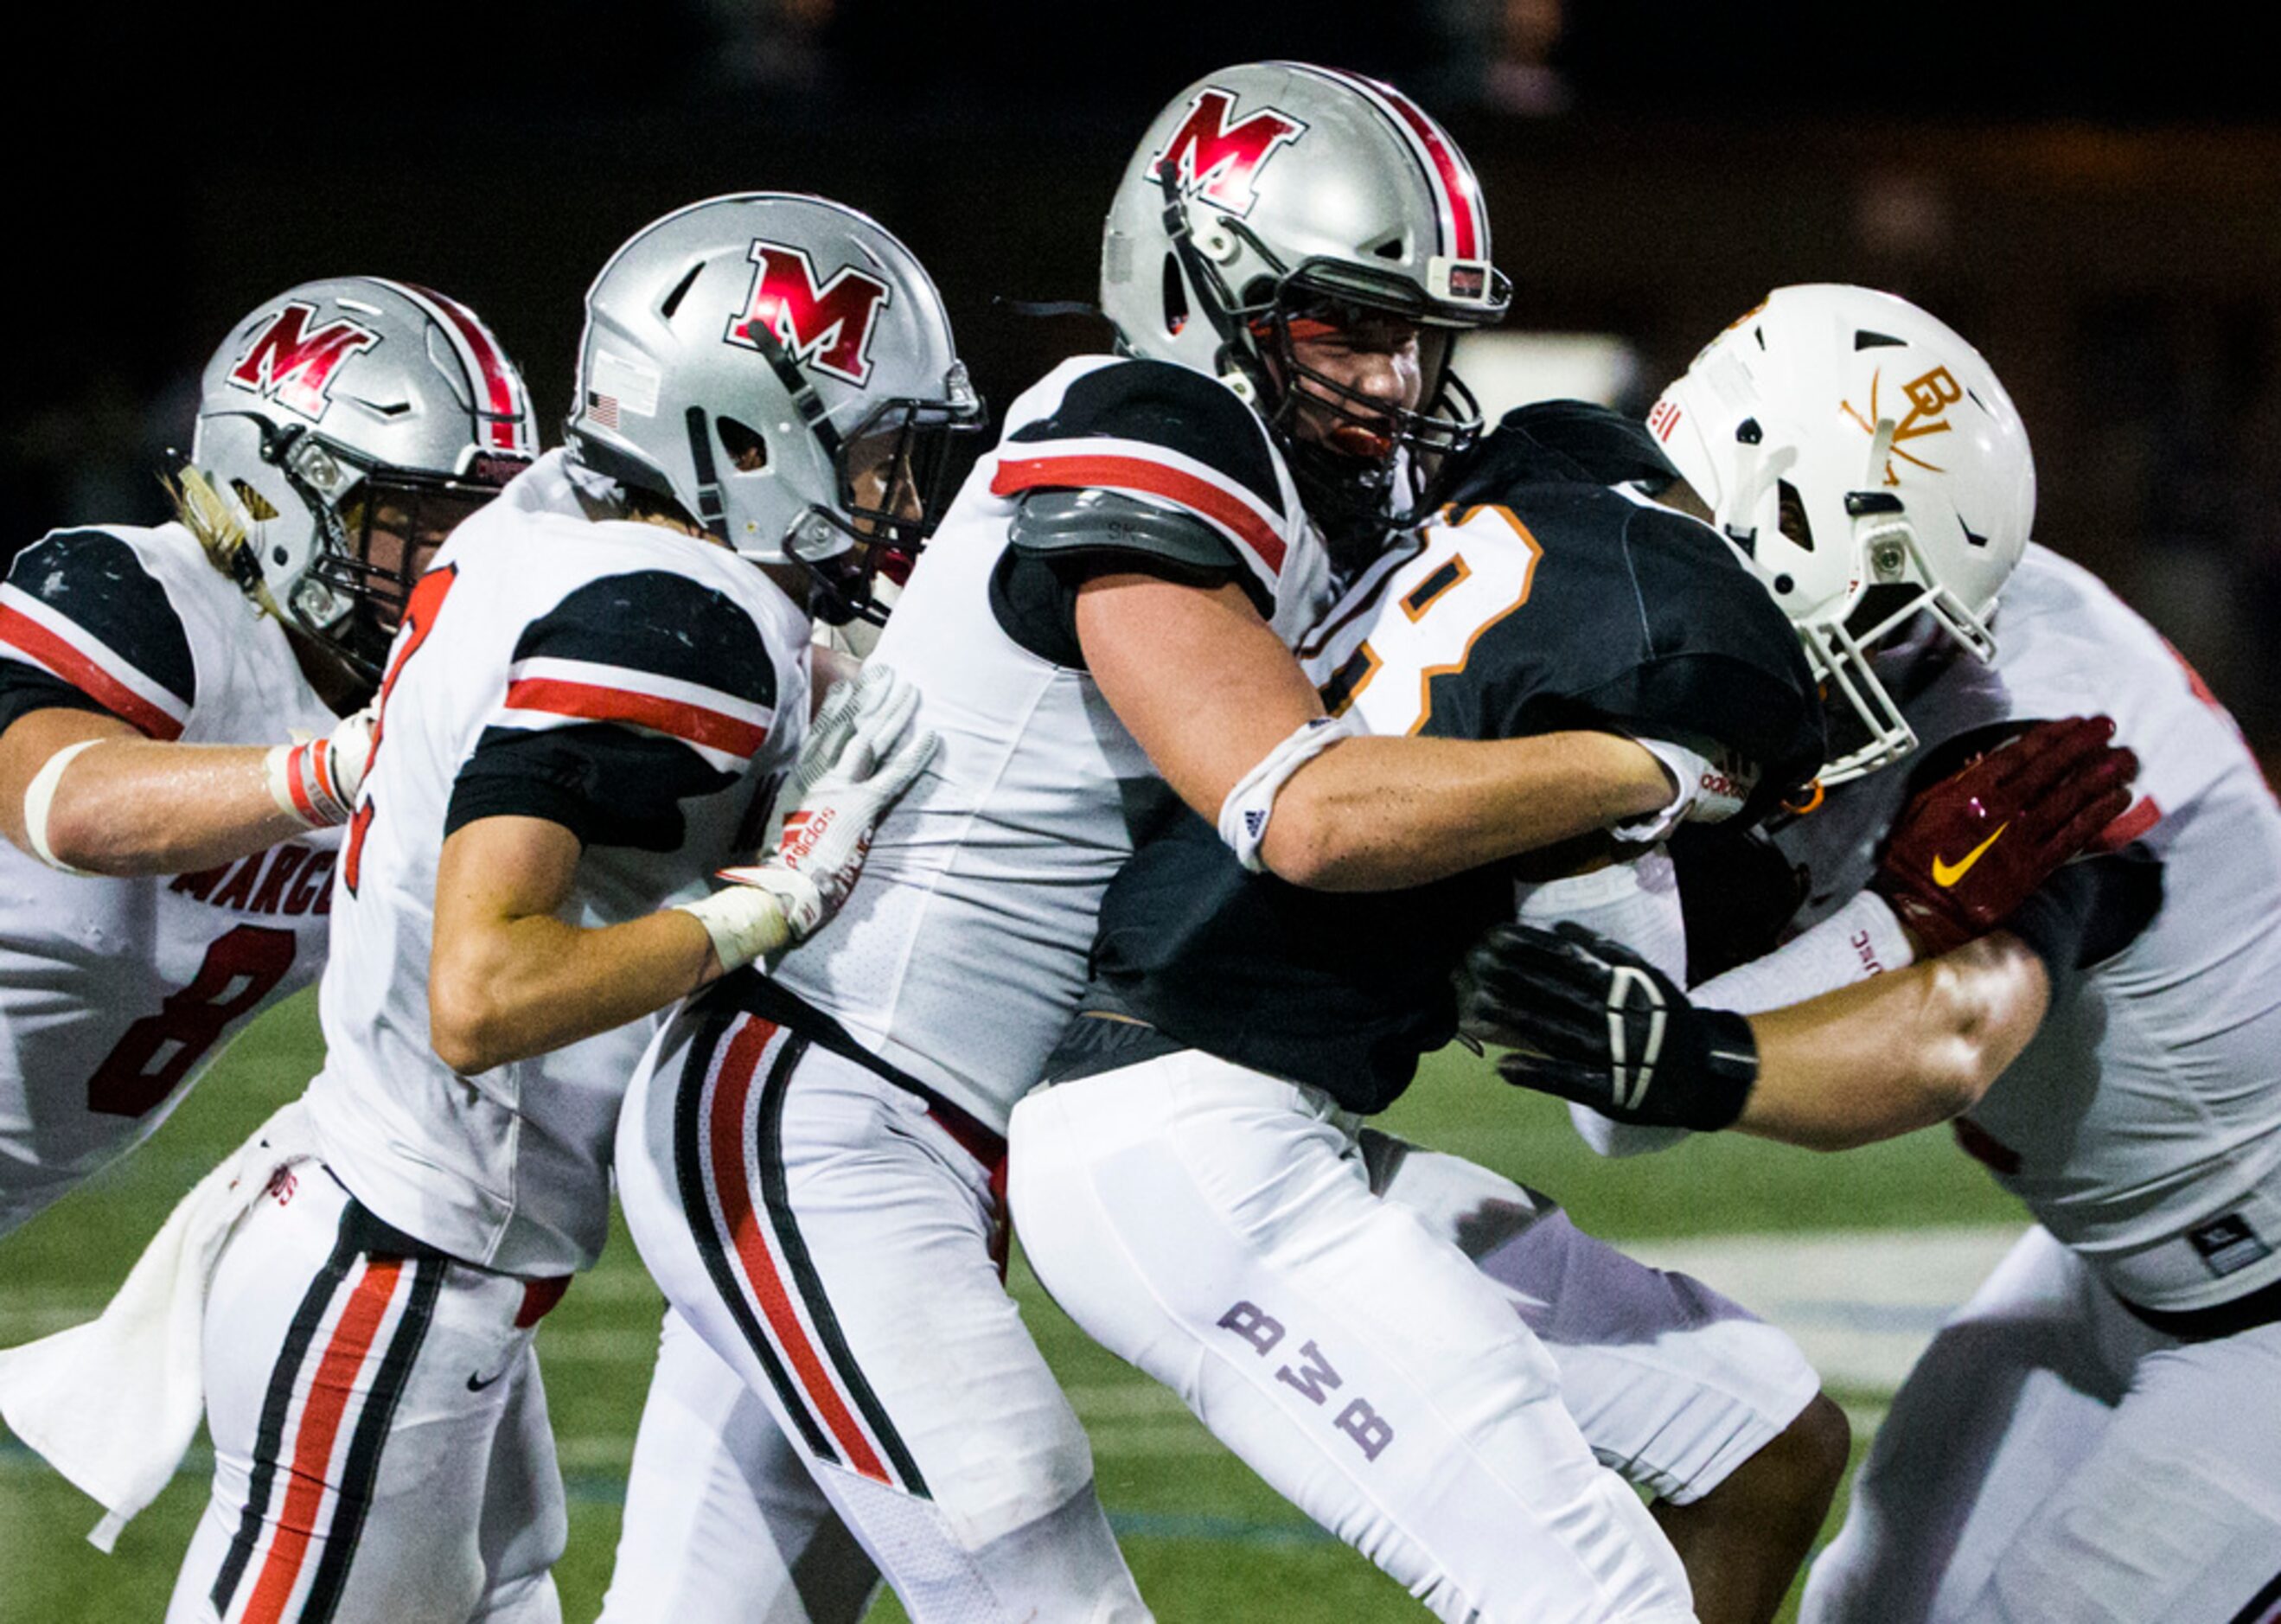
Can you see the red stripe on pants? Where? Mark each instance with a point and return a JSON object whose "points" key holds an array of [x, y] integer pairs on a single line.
{"points": [[725, 1122], [313, 1443]]}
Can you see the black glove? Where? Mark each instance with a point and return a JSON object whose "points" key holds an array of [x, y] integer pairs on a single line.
{"points": [[1591, 1021]]}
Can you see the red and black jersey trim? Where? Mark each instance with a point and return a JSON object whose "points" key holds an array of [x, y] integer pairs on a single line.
{"points": [[1155, 403], [281, 1519], [606, 785], [82, 609], [661, 623], [817, 1380]]}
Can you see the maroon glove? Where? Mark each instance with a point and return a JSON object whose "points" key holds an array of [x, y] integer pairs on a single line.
{"points": [[1971, 848]]}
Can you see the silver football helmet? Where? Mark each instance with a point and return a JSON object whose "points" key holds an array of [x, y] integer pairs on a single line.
{"points": [[1279, 192], [780, 367], [1870, 465], [343, 427]]}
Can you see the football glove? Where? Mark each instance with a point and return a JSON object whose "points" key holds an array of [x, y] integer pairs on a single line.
{"points": [[316, 780], [1968, 850], [1591, 1021], [1708, 789], [858, 758]]}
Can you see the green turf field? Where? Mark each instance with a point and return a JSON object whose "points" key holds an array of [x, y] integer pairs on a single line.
{"points": [[1207, 1541]]}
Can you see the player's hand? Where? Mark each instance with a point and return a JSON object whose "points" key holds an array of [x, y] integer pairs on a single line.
{"points": [[316, 780], [1706, 789], [860, 755], [1971, 848], [1590, 1020]]}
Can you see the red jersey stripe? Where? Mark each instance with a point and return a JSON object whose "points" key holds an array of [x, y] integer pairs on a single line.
{"points": [[725, 1146], [322, 1411], [20, 631], [1077, 471], [693, 722], [2141, 817]]}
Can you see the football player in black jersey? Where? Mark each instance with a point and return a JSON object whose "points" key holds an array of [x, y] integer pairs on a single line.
{"points": [[1197, 1189]]}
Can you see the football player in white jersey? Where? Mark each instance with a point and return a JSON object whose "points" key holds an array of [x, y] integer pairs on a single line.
{"points": [[812, 1164], [2096, 1433], [594, 695], [169, 874]]}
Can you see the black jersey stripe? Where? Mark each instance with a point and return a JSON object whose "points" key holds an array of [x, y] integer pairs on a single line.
{"points": [[607, 785], [1159, 404], [661, 623], [94, 580], [810, 1283], [277, 1405], [690, 1173], [362, 1470]]}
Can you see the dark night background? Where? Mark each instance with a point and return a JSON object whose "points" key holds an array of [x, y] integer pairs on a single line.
{"points": [[2097, 203]]}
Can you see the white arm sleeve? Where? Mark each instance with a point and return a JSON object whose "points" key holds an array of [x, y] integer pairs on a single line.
{"points": [[1859, 940]]}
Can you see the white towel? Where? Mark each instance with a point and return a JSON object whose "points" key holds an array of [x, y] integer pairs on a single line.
{"points": [[114, 1403]]}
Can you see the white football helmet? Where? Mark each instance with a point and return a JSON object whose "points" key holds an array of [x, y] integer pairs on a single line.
{"points": [[1866, 460], [781, 368], [343, 427], [1276, 191]]}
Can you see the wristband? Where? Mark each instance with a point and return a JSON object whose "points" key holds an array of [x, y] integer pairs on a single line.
{"points": [[747, 922], [1243, 815], [300, 781], [40, 798]]}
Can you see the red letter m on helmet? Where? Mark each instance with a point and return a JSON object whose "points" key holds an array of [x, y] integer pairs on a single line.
{"points": [[1219, 161], [295, 366], [828, 328]]}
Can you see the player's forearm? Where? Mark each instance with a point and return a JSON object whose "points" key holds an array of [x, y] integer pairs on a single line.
{"points": [[1375, 814], [135, 805], [520, 987], [1898, 1053]]}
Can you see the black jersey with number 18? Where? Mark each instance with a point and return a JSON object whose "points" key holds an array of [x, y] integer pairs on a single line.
{"points": [[1546, 598]]}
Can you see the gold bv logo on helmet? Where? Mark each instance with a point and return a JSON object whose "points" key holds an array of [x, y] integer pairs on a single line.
{"points": [[1930, 396]]}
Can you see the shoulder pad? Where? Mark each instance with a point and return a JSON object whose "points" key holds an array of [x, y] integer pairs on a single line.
{"points": [[1071, 522], [1560, 441], [1153, 405], [660, 625], [83, 605]]}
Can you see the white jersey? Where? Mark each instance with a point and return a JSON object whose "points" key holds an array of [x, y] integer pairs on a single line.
{"points": [[962, 955], [115, 994], [632, 684], [2143, 1123]]}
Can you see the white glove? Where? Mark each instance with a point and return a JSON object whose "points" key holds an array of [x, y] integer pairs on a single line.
{"points": [[316, 780], [1709, 790], [860, 755]]}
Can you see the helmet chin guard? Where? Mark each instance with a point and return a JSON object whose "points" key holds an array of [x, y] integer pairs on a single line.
{"points": [[1867, 461]]}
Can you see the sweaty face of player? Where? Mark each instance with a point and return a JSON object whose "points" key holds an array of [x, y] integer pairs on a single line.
{"points": [[1346, 362]]}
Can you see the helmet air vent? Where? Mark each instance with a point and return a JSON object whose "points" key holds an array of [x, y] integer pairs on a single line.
{"points": [[1864, 339], [1748, 433], [1790, 506], [1176, 297], [1390, 249], [748, 450], [680, 291]]}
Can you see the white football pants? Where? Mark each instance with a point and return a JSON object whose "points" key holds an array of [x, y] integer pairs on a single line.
{"points": [[723, 1522], [2053, 1460], [1218, 1229], [382, 1450], [836, 1244]]}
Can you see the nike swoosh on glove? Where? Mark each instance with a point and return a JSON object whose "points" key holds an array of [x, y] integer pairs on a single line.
{"points": [[1968, 850]]}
